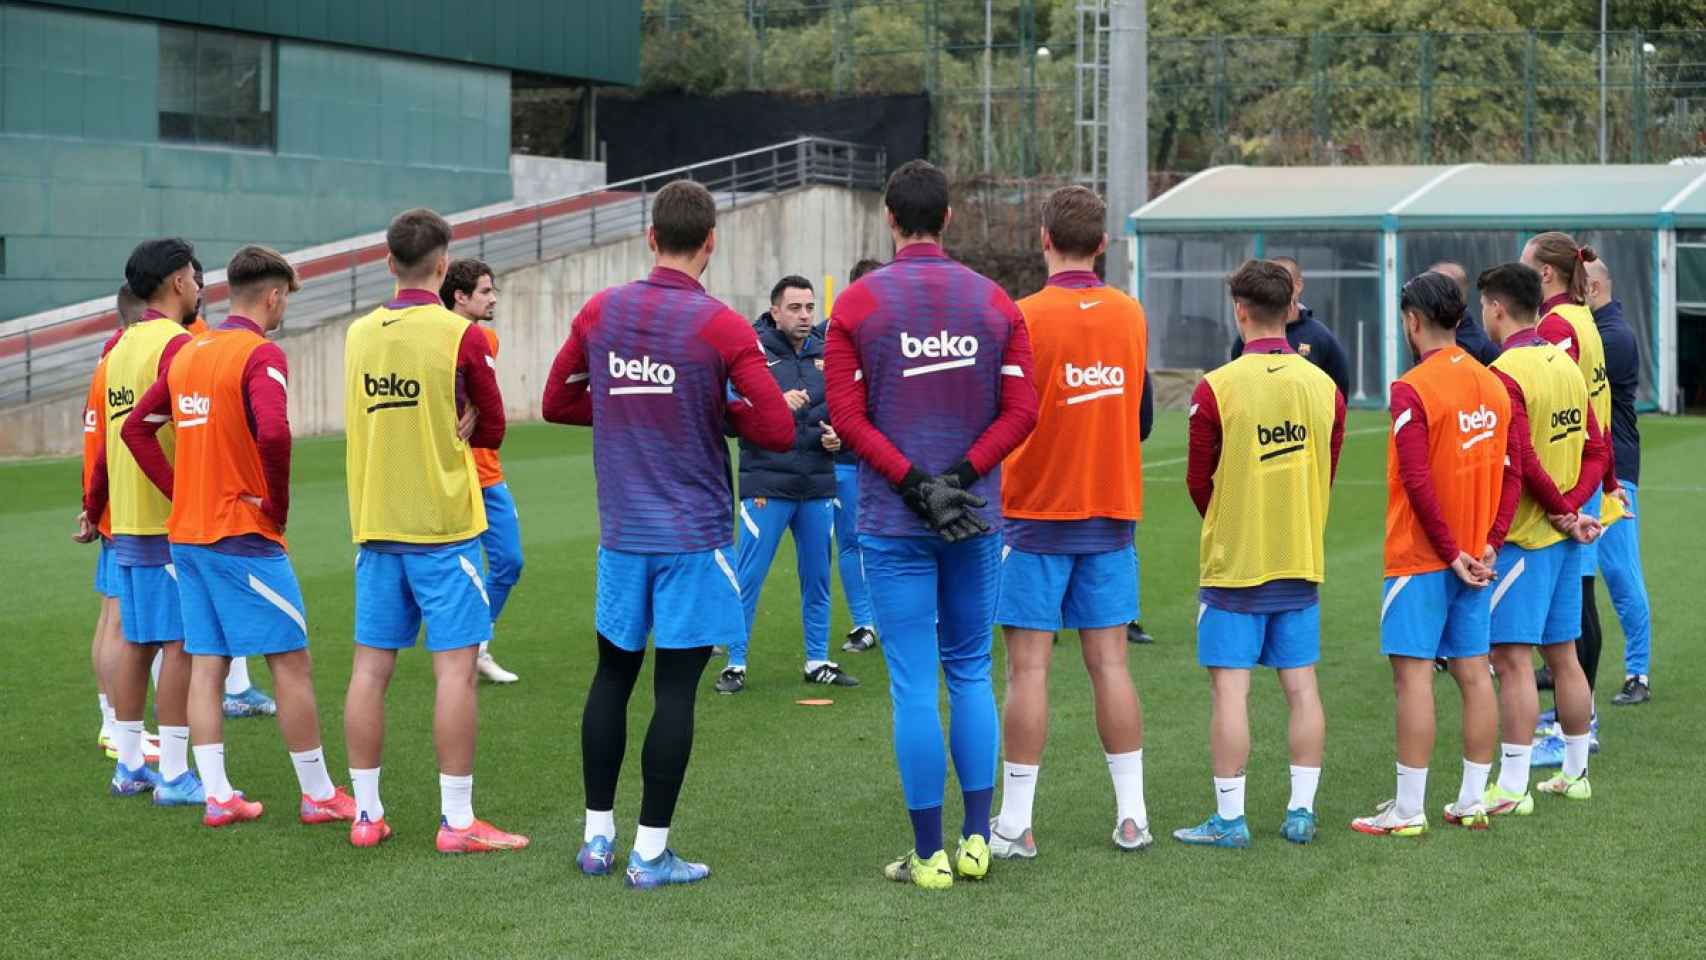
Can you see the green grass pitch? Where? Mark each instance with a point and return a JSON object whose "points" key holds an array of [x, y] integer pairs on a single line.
{"points": [[797, 808]]}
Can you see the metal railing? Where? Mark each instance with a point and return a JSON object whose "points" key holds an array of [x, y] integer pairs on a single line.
{"points": [[52, 353]]}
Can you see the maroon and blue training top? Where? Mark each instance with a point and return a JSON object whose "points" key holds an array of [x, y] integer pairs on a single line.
{"points": [[927, 363], [648, 365]]}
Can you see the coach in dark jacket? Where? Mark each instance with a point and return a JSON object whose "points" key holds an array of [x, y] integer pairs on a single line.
{"points": [[790, 492]]}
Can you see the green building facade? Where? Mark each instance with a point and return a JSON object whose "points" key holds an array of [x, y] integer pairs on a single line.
{"points": [[289, 124]]}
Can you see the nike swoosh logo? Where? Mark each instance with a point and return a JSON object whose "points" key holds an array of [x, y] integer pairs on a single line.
{"points": [[387, 323], [1227, 789], [1087, 304], [772, 363], [1275, 369], [1460, 358]]}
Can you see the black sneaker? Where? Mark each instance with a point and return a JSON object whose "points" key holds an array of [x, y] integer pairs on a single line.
{"points": [[731, 681], [1634, 691], [1543, 678], [1134, 633], [831, 675], [859, 640]]}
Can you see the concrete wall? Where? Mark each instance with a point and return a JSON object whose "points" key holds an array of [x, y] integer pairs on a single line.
{"points": [[811, 232], [542, 178]]}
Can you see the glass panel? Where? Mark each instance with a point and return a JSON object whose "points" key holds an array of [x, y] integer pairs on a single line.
{"points": [[1341, 285], [1691, 269], [1184, 296], [1628, 254], [215, 87], [177, 83]]}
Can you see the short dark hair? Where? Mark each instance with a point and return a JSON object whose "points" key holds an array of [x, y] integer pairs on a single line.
{"points": [[129, 305], [253, 267], [683, 214], [917, 195], [1435, 296], [789, 282], [1076, 220], [861, 268], [1516, 286], [1289, 263], [1264, 287], [416, 235], [462, 277], [153, 261]]}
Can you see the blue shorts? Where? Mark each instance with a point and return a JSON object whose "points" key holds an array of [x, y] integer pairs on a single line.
{"points": [[1241, 641], [1073, 591], [1431, 615], [236, 606], [106, 571], [1538, 596], [396, 592], [148, 603], [683, 600]]}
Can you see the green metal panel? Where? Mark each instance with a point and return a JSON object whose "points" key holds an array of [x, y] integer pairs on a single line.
{"points": [[77, 75], [584, 39]]}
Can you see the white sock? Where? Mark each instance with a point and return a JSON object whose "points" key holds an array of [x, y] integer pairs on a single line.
{"points": [[1127, 771], [1474, 782], [649, 842], [1412, 790], [311, 773], [106, 717], [210, 763], [456, 800], [154, 668], [485, 648], [237, 678], [1304, 780], [1643, 678], [127, 737], [366, 786], [600, 823], [1576, 754], [1018, 792], [1229, 797], [814, 664], [1513, 766], [174, 752]]}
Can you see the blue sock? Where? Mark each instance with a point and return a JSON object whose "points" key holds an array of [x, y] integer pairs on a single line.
{"points": [[977, 812], [927, 830]]}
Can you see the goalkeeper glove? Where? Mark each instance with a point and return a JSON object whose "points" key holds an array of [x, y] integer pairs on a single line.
{"points": [[943, 503]]}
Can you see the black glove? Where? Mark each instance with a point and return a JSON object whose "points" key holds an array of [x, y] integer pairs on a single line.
{"points": [[943, 505]]}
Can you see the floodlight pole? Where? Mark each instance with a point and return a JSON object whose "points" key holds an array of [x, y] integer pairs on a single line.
{"points": [[1128, 127], [1602, 15]]}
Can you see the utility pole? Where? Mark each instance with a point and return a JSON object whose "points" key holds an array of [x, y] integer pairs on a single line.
{"points": [[1128, 127], [988, 79]]}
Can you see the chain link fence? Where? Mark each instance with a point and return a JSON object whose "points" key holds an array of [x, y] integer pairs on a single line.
{"points": [[1513, 97]]}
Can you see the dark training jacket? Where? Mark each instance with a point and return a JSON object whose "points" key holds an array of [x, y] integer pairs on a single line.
{"points": [[806, 472]]}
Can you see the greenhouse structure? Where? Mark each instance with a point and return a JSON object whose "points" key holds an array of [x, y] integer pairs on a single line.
{"points": [[1359, 232]]}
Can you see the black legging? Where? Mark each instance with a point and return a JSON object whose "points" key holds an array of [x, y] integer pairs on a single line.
{"points": [[1587, 648], [669, 740]]}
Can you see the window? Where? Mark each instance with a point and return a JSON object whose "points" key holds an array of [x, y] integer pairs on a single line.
{"points": [[216, 88]]}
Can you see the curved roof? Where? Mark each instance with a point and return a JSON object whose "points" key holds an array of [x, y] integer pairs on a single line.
{"points": [[1428, 197]]}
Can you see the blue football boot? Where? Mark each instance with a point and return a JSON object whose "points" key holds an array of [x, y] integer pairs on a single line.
{"points": [[667, 869], [1299, 826], [129, 783], [184, 791], [596, 857], [250, 703], [1215, 832]]}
